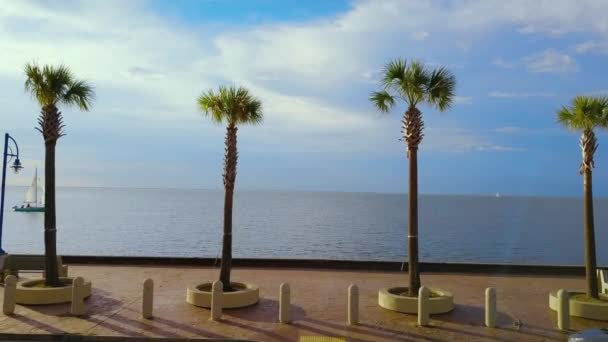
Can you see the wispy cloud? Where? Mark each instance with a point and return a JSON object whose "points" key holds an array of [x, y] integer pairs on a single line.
{"points": [[499, 62], [592, 47], [149, 67], [463, 99], [506, 94], [420, 35], [460, 140], [550, 61], [507, 129]]}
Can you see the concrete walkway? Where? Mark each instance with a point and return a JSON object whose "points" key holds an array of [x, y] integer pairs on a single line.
{"points": [[319, 307]]}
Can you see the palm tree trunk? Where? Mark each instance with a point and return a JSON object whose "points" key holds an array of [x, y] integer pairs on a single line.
{"points": [[414, 274], [50, 230], [230, 162], [588, 145], [412, 135], [590, 260], [50, 122]]}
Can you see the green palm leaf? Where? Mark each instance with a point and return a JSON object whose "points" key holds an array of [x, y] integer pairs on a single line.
{"points": [[584, 113], [382, 100], [231, 105], [414, 83], [51, 85]]}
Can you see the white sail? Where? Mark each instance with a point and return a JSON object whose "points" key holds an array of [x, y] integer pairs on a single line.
{"points": [[31, 196], [35, 193], [41, 195]]}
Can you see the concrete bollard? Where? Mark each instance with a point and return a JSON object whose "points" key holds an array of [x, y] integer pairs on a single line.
{"points": [[147, 303], [10, 288], [563, 310], [490, 307], [217, 291], [353, 305], [78, 308], [284, 303], [423, 306]]}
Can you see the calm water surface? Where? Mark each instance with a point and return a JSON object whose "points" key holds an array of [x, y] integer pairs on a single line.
{"points": [[357, 226]]}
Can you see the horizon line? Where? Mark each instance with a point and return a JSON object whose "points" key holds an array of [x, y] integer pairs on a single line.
{"points": [[502, 195]]}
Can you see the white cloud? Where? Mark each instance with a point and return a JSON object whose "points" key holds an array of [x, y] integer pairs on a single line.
{"points": [[420, 35], [593, 47], [507, 130], [459, 140], [541, 16], [497, 148], [516, 94], [149, 67], [503, 63], [371, 76], [463, 99], [550, 61]]}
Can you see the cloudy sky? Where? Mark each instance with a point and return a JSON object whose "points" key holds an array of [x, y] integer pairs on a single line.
{"points": [[313, 64]]}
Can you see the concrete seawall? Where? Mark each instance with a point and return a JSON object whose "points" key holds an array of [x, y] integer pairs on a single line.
{"points": [[390, 266]]}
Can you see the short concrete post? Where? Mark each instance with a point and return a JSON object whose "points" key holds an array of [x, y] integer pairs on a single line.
{"points": [[78, 308], [284, 303], [423, 306], [490, 307], [563, 310], [216, 300], [10, 287], [147, 303], [353, 305]]}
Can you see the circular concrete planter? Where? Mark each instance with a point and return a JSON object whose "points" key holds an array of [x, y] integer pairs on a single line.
{"points": [[578, 308], [27, 293], [245, 295], [389, 298]]}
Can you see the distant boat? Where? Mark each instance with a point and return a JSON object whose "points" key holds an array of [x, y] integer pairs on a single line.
{"points": [[34, 198], [498, 195]]}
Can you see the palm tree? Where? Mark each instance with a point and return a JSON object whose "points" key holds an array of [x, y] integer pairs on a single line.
{"points": [[52, 86], [232, 106], [414, 84], [585, 114]]}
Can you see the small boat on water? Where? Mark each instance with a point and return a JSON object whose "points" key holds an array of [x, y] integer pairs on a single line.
{"points": [[498, 195], [34, 198]]}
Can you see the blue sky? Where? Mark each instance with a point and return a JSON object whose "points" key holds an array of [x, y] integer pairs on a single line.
{"points": [[313, 64]]}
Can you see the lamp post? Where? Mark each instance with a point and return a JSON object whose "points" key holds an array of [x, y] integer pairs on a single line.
{"points": [[8, 152]]}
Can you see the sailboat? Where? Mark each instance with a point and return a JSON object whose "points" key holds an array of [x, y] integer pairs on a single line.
{"points": [[34, 198]]}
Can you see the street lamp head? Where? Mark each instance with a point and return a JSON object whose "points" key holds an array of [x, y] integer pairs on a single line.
{"points": [[17, 165]]}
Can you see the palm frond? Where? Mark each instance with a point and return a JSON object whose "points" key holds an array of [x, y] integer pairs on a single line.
{"points": [[52, 85], [210, 104], [35, 84], [584, 113], [383, 101], [394, 73], [415, 85], [79, 93], [231, 105], [565, 116], [441, 87]]}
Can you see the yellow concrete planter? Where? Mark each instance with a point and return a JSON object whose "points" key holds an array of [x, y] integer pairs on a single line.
{"points": [[245, 295], [28, 293], [389, 299], [578, 308]]}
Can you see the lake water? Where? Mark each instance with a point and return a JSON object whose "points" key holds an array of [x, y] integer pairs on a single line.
{"points": [[355, 226]]}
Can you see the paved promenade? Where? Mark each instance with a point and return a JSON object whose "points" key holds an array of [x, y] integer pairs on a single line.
{"points": [[319, 307]]}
